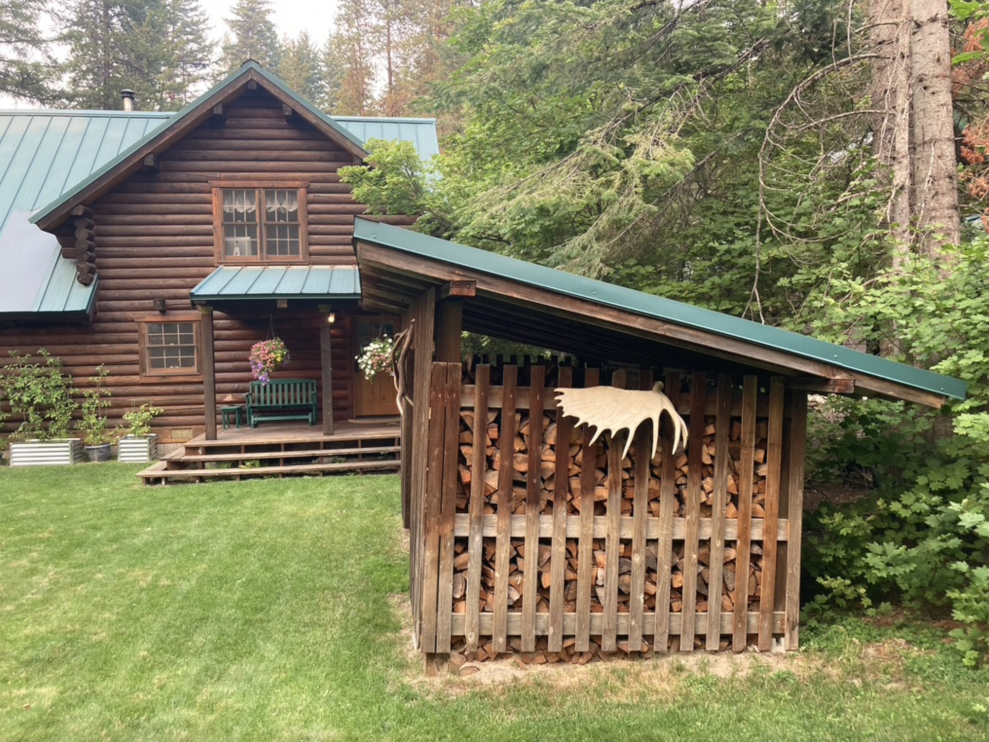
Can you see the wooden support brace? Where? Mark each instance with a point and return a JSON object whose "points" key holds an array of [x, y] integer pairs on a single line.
{"points": [[287, 111], [813, 385], [458, 288], [151, 162]]}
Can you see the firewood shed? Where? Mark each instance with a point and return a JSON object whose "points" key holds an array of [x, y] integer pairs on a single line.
{"points": [[524, 536]]}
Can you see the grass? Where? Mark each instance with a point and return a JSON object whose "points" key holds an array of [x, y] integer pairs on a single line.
{"points": [[272, 610]]}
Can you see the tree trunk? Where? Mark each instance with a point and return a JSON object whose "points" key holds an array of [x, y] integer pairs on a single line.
{"points": [[915, 137]]}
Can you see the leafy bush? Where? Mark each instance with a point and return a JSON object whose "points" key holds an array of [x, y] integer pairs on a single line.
{"points": [[139, 419], [93, 421], [40, 394], [922, 537]]}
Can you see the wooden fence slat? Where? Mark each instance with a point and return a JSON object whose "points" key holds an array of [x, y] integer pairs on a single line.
{"points": [[695, 447], [795, 495], [584, 544], [746, 473], [506, 440], [664, 544], [716, 565], [475, 505], [432, 505], [609, 638], [774, 458], [643, 454], [561, 489], [448, 507], [529, 584]]}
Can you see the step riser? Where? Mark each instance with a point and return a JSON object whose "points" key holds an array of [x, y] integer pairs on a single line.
{"points": [[165, 476]]}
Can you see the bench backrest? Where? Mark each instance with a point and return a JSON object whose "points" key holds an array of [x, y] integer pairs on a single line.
{"points": [[285, 392]]}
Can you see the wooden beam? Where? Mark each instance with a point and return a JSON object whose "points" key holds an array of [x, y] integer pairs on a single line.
{"points": [[457, 288], [823, 386], [252, 85], [449, 329], [287, 110], [326, 366], [209, 371], [151, 162]]}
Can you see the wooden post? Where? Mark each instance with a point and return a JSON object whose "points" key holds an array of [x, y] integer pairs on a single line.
{"points": [[326, 364], [209, 371], [449, 326]]}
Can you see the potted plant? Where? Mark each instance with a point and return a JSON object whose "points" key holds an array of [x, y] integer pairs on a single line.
{"points": [[42, 396], [93, 422], [267, 357], [376, 357], [139, 445]]}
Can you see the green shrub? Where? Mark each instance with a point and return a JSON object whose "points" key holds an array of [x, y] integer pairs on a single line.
{"points": [[40, 394]]}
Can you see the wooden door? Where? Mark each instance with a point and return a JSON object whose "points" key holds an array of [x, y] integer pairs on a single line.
{"points": [[374, 398]]}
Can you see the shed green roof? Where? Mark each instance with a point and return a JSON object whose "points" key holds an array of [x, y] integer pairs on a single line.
{"points": [[232, 283], [655, 307]]}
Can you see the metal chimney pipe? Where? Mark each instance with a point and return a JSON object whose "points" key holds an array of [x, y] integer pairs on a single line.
{"points": [[127, 96]]}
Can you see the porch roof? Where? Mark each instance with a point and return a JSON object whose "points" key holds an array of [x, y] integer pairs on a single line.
{"points": [[237, 283]]}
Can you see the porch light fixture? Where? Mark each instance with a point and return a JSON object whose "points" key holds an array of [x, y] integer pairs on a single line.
{"points": [[331, 318]]}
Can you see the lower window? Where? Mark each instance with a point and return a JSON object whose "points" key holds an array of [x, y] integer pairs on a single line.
{"points": [[169, 347]]}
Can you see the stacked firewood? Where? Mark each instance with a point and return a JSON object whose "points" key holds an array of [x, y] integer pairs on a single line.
{"points": [[519, 560]]}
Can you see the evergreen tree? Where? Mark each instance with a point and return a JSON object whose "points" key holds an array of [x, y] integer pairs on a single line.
{"points": [[252, 36], [358, 43], [334, 70], [301, 67], [158, 48], [25, 66]]}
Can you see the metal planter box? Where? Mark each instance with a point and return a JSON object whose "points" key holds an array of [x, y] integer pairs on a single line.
{"points": [[46, 453], [133, 450]]}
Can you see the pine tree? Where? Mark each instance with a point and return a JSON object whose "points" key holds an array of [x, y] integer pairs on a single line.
{"points": [[252, 36], [301, 67], [357, 41], [158, 48], [334, 70], [25, 66]]}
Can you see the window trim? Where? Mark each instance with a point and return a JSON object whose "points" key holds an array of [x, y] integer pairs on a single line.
{"points": [[219, 258], [181, 374]]}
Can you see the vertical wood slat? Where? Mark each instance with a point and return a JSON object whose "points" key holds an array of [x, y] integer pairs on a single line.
{"points": [[716, 565], [664, 545], [695, 446], [433, 511], [746, 473], [423, 313], [612, 544], [209, 371], [643, 455], [795, 494], [448, 504], [506, 441], [530, 586], [561, 489], [475, 506], [584, 544], [774, 457]]}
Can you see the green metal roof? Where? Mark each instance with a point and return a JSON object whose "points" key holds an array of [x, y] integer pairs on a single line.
{"points": [[41, 153], [231, 283], [655, 307], [420, 132]]}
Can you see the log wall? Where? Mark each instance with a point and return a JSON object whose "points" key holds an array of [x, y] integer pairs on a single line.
{"points": [[536, 542], [154, 240]]}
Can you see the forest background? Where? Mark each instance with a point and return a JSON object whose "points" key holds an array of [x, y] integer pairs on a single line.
{"points": [[814, 164]]}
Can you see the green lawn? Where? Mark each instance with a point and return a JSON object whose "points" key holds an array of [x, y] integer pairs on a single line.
{"points": [[274, 611]]}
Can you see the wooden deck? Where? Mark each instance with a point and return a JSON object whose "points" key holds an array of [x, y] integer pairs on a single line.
{"points": [[283, 449]]}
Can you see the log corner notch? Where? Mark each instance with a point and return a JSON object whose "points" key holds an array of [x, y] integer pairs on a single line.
{"points": [[85, 244]]}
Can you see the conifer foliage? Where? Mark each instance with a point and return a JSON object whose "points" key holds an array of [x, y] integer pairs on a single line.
{"points": [[252, 36]]}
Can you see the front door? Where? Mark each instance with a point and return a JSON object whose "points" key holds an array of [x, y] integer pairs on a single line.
{"points": [[377, 397]]}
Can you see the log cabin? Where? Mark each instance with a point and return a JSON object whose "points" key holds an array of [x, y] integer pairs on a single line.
{"points": [[163, 246]]}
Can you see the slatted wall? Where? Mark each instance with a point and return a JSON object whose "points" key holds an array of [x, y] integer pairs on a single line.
{"points": [[535, 541]]}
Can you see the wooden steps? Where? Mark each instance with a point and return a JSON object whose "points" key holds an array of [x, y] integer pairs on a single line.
{"points": [[279, 451]]}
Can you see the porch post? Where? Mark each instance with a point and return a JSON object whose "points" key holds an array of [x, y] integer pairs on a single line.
{"points": [[449, 326], [326, 363], [209, 371]]}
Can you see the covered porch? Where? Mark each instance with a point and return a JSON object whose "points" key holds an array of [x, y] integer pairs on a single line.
{"points": [[314, 309]]}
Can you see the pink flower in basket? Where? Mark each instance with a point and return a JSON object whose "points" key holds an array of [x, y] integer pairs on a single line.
{"points": [[267, 357]]}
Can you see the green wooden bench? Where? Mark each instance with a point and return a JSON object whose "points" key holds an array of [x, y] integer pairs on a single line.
{"points": [[281, 399]]}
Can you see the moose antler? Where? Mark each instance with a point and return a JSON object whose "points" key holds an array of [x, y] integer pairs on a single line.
{"points": [[614, 410]]}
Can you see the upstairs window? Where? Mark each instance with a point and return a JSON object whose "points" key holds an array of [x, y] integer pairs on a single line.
{"points": [[260, 224]]}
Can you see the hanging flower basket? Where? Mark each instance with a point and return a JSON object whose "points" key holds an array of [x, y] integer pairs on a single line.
{"points": [[376, 357], [267, 357]]}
